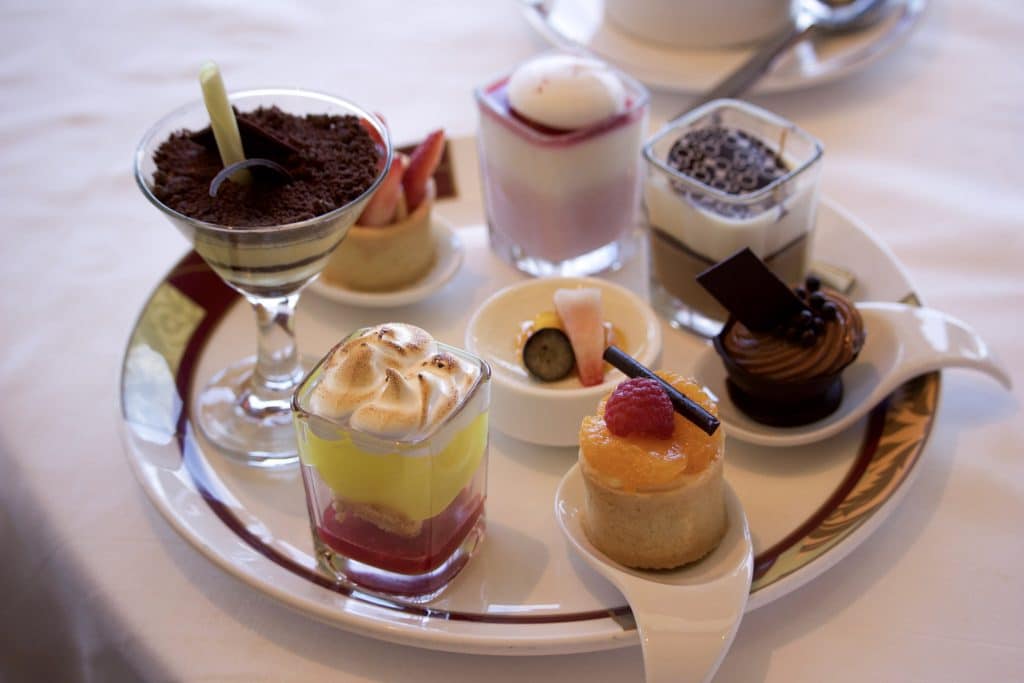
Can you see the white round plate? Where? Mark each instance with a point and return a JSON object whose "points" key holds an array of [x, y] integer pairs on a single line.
{"points": [[582, 24], [449, 258], [525, 592]]}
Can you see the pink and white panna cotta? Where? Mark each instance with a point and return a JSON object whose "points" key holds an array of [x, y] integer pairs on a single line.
{"points": [[559, 152]]}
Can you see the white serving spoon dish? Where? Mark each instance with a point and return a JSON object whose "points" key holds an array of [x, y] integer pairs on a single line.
{"points": [[903, 342], [687, 617]]}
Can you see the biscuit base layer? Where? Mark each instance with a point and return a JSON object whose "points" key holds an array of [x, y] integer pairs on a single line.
{"points": [[381, 516], [661, 529]]}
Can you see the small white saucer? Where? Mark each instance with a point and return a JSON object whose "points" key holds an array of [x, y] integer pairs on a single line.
{"points": [[449, 259], [582, 24], [549, 413]]}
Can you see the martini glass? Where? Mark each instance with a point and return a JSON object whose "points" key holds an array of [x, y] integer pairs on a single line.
{"points": [[245, 409]]}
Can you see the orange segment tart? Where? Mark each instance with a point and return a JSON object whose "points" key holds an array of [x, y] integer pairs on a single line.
{"points": [[654, 485]]}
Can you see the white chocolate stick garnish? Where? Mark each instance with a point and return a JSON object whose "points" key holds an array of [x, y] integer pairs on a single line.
{"points": [[222, 120]]}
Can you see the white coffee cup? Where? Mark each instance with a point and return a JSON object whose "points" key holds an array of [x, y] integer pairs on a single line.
{"points": [[700, 23]]}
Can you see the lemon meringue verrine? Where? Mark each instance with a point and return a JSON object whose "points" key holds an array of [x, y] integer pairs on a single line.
{"points": [[392, 432]]}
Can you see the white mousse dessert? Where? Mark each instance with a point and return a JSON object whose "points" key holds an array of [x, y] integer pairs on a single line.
{"points": [[560, 158], [729, 176]]}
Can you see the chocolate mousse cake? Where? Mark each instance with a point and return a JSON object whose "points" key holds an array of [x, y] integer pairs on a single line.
{"points": [[784, 349], [328, 160]]}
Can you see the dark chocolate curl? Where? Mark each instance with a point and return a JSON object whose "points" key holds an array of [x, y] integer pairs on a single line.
{"points": [[228, 171]]}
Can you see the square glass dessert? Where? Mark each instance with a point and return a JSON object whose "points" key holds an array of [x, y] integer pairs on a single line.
{"points": [[727, 175], [559, 148], [392, 436]]}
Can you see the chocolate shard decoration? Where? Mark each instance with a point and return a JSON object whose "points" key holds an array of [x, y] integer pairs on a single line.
{"points": [[257, 141], [260, 142], [752, 293]]}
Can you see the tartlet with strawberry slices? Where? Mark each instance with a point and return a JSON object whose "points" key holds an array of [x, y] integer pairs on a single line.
{"points": [[392, 244], [655, 496]]}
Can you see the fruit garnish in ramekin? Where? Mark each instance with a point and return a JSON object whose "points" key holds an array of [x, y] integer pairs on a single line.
{"points": [[571, 337]]}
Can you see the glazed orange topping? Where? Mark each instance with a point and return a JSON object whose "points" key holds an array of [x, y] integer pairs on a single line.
{"points": [[643, 463]]}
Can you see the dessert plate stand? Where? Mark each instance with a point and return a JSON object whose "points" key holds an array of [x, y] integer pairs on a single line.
{"points": [[525, 592]]}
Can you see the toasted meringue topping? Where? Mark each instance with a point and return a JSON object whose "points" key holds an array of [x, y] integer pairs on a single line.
{"points": [[392, 381]]}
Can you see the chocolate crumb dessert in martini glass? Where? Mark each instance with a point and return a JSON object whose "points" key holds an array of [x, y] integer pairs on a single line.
{"points": [[266, 225]]}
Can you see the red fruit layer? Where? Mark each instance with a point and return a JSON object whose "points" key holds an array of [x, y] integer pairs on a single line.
{"points": [[441, 535], [495, 99], [561, 226]]}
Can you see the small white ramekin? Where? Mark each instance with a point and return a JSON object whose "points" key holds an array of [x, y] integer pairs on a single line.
{"points": [[549, 413]]}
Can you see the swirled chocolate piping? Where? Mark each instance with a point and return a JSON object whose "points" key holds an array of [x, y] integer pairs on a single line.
{"points": [[776, 358]]}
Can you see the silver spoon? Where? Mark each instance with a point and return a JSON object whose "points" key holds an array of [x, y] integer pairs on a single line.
{"points": [[827, 16]]}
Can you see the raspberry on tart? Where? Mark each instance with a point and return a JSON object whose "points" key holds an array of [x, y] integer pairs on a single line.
{"points": [[640, 406]]}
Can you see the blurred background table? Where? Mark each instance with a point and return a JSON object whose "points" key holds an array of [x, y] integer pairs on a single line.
{"points": [[924, 147]]}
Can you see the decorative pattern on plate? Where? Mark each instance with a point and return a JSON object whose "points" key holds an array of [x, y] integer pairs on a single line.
{"points": [[162, 334], [167, 324], [907, 421]]}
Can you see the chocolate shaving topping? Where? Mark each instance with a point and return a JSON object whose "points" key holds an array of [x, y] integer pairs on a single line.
{"points": [[336, 161], [752, 293], [729, 160], [257, 140]]}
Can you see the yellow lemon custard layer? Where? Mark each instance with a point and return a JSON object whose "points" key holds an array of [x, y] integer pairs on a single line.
{"points": [[417, 483]]}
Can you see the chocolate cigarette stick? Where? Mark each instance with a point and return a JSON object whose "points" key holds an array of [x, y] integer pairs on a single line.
{"points": [[684, 405]]}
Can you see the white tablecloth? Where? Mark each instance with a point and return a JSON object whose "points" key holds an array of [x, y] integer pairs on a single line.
{"points": [[925, 147]]}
